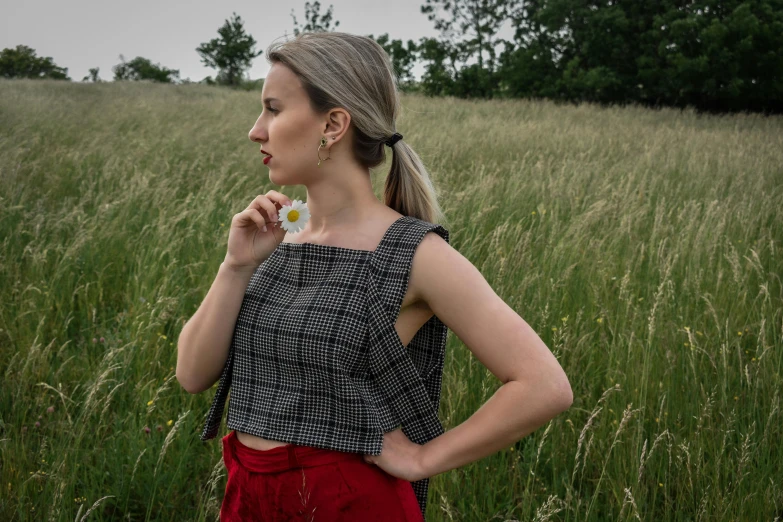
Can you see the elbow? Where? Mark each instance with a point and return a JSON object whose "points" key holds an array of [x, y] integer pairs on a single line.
{"points": [[562, 395], [191, 387], [186, 384]]}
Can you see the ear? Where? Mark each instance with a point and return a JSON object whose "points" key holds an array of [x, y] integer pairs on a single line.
{"points": [[337, 123]]}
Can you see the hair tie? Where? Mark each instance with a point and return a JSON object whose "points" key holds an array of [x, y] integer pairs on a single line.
{"points": [[394, 139]]}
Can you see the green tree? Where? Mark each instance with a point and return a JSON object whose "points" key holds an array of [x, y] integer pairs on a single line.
{"points": [[92, 76], [232, 53], [529, 66], [315, 20], [440, 66], [143, 69], [403, 57], [471, 27], [718, 55], [22, 62]]}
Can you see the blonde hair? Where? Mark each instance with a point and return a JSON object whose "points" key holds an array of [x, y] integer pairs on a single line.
{"points": [[355, 73]]}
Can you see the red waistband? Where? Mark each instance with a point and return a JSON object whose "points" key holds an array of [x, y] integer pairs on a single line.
{"points": [[285, 457]]}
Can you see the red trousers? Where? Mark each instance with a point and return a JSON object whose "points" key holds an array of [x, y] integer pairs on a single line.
{"points": [[303, 483]]}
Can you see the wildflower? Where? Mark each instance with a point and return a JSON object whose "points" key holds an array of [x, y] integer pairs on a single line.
{"points": [[149, 403], [599, 320], [564, 319], [159, 427], [102, 339], [168, 423], [687, 328], [739, 333], [147, 429], [554, 329], [533, 213], [294, 217], [50, 409], [736, 398], [94, 340], [37, 424], [686, 344], [660, 484]]}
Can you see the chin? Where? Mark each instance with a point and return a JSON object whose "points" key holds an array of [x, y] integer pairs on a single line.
{"points": [[273, 177], [281, 179]]}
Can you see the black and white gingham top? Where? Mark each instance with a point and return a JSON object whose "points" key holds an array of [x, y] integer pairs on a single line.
{"points": [[315, 359]]}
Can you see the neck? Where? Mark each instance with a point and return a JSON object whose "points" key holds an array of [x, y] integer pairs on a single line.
{"points": [[335, 204]]}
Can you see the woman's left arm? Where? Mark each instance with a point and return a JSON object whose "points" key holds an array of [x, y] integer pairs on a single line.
{"points": [[535, 388]]}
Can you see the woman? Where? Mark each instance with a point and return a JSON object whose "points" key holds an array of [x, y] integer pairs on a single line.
{"points": [[332, 337]]}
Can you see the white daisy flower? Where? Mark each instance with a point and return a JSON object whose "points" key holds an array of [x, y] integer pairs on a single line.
{"points": [[294, 217]]}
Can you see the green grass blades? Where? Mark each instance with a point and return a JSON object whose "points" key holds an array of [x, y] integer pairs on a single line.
{"points": [[644, 247]]}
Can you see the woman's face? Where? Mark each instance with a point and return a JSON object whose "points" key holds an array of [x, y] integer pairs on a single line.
{"points": [[288, 129]]}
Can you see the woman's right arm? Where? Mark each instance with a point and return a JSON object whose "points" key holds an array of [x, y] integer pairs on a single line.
{"points": [[202, 347]]}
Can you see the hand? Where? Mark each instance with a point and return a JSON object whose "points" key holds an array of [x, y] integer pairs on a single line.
{"points": [[248, 243], [400, 457]]}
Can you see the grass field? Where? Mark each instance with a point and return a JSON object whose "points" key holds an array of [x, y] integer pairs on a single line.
{"points": [[645, 247]]}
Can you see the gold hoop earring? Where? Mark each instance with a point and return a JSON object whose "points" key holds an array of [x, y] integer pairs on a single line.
{"points": [[323, 144]]}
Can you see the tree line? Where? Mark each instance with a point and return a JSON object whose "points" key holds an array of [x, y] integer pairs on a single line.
{"points": [[712, 55]]}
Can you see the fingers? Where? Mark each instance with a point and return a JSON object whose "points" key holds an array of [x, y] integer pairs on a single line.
{"points": [[254, 215], [278, 198], [270, 203], [262, 203]]}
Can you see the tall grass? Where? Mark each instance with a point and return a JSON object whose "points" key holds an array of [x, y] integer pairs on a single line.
{"points": [[643, 246]]}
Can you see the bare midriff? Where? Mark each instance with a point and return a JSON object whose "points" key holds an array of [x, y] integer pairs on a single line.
{"points": [[259, 443]]}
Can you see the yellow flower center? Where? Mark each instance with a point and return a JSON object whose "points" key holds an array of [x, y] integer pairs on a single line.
{"points": [[293, 215]]}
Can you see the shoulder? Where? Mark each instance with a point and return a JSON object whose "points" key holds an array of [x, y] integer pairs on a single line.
{"points": [[431, 261]]}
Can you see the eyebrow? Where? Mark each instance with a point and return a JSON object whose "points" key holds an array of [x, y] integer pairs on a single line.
{"points": [[267, 100]]}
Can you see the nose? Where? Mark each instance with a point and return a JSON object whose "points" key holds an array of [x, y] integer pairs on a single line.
{"points": [[256, 133]]}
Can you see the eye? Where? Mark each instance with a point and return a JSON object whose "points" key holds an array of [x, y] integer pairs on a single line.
{"points": [[270, 109]]}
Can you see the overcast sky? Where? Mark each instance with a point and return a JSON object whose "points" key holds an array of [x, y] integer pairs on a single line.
{"points": [[81, 34]]}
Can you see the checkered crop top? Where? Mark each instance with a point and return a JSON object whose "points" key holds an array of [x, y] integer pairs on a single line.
{"points": [[315, 359]]}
